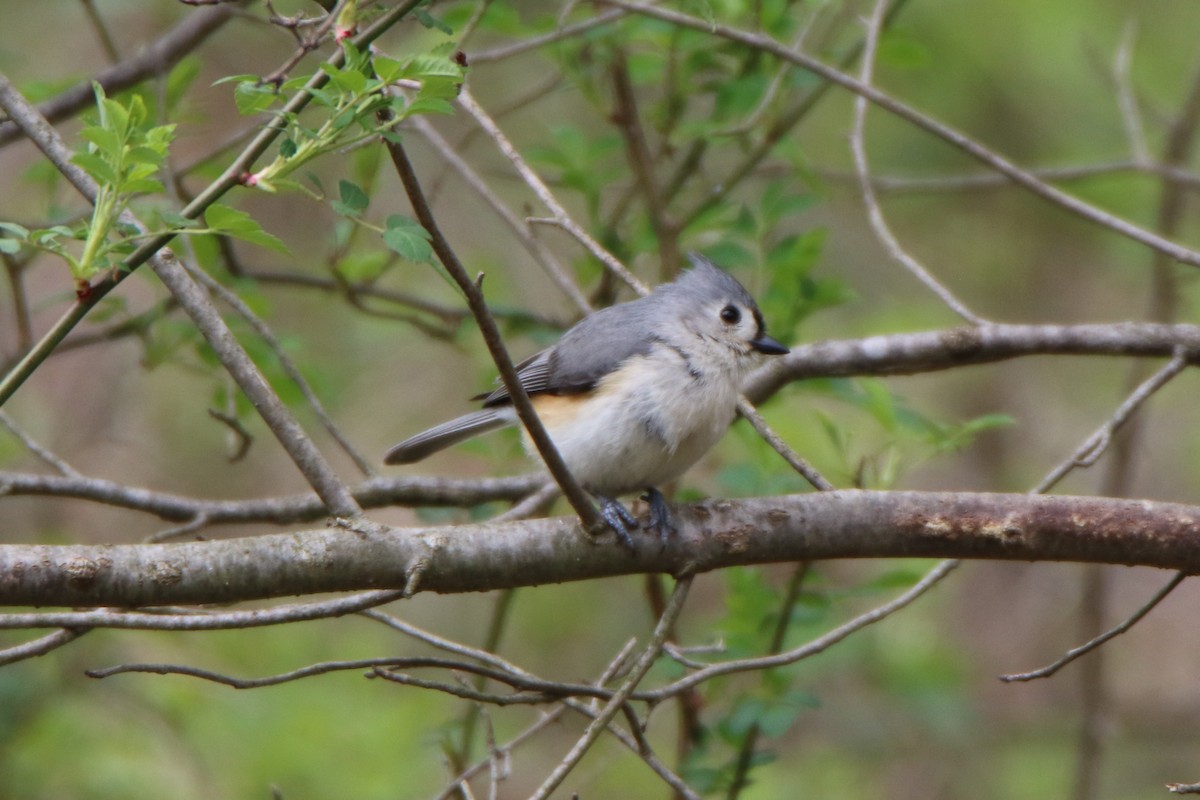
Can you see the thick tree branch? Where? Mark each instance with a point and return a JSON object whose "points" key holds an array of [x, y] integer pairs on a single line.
{"points": [[718, 533]]}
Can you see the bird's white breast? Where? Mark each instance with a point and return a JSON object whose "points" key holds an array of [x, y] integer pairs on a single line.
{"points": [[646, 423]]}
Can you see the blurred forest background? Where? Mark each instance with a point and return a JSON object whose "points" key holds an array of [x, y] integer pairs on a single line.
{"points": [[1086, 92]]}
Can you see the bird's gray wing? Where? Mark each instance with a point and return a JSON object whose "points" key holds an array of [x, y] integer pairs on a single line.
{"points": [[596, 346]]}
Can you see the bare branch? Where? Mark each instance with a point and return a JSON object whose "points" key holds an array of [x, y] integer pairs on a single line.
{"points": [[534, 42], [40, 646], [267, 335], [1135, 131], [42, 453], [1095, 445], [931, 579], [874, 213], [561, 217], [1184, 788], [288, 509], [1084, 649], [942, 131], [196, 621], [532, 244], [571, 489], [662, 630], [794, 460]]}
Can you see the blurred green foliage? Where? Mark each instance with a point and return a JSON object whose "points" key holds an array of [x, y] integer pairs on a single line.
{"points": [[906, 709]]}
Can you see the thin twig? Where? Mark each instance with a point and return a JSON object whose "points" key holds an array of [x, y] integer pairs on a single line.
{"points": [[1095, 445], [155, 59], [531, 243], [534, 42], [268, 336], [637, 744], [1084, 649], [806, 470], [609, 672], [1131, 118], [946, 133], [40, 646], [491, 335], [661, 631], [818, 645], [745, 756], [874, 213], [627, 119], [375, 492], [102, 33], [43, 453], [561, 217], [226, 620]]}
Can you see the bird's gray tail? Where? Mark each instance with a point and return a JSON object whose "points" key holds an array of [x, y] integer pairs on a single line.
{"points": [[447, 434]]}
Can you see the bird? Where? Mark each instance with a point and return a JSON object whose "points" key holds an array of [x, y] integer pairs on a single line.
{"points": [[633, 394]]}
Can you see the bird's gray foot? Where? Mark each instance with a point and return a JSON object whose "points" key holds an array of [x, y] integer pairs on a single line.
{"points": [[660, 515], [618, 518]]}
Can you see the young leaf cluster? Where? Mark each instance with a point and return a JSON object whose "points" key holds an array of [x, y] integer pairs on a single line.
{"points": [[358, 101], [123, 154]]}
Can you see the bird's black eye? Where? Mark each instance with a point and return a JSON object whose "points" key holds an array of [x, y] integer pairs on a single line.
{"points": [[731, 315]]}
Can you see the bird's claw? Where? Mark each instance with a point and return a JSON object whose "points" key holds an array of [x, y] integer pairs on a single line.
{"points": [[660, 514], [618, 518]]}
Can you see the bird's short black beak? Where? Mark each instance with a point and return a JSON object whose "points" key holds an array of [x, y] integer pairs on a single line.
{"points": [[768, 346]]}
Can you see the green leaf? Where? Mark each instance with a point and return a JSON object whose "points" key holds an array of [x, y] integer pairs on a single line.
{"points": [[143, 154], [250, 98], [96, 166], [105, 140], [20, 231], [324, 97], [348, 80], [243, 78], [432, 22], [143, 186], [422, 67], [365, 266], [10, 246], [428, 105], [174, 220], [405, 237], [353, 200], [388, 69], [180, 79], [240, 225]]}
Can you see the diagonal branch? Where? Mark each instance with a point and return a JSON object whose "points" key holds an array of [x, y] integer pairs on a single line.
{"points": [[38, 130], [195, 301], [491, 336]]}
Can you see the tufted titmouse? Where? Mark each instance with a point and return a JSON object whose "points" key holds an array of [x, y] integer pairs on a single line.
{"points": [[634, 394]]}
